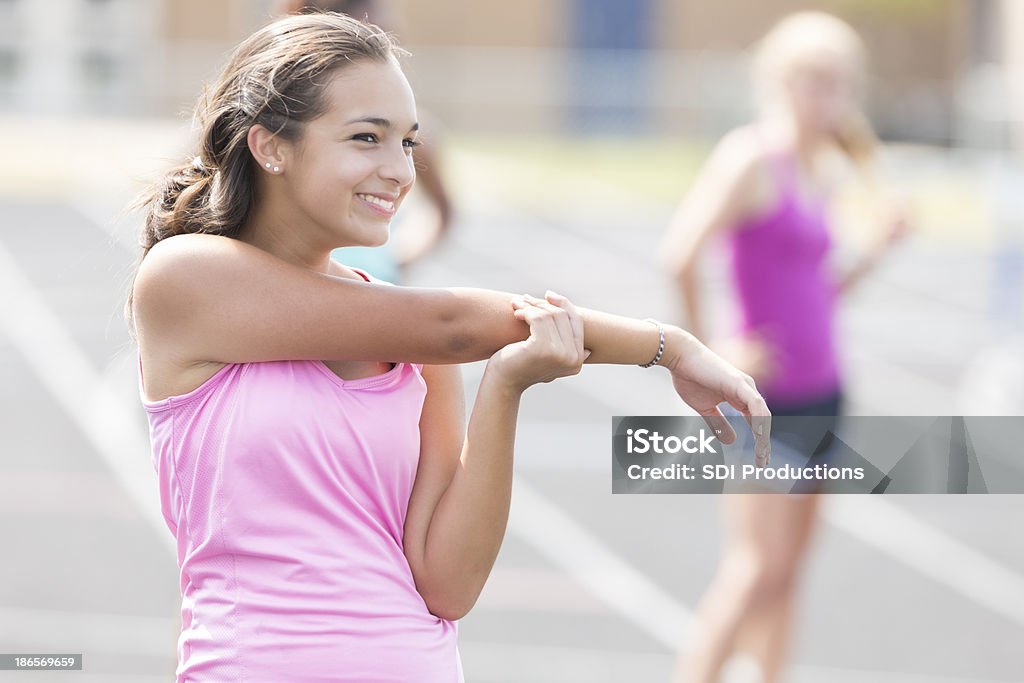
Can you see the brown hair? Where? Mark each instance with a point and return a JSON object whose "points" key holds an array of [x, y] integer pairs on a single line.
{"points": [[275, 78], [356, 8]]}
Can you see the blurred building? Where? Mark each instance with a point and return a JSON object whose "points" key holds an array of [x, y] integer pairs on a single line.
{"points": [[134, 57], [682, 65], [609, 66]]}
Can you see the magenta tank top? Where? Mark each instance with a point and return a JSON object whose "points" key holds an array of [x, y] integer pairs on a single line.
{"points": [[286, 489], [778, 266]]}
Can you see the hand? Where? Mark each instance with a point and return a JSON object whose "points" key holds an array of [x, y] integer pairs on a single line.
{"points": [[554, 348], [703, 379], [752, 353], [898, 223]]}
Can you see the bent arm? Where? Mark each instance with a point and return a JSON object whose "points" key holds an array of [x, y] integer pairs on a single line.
{"points": [[721, 196], [459, 508], [215, 298]]}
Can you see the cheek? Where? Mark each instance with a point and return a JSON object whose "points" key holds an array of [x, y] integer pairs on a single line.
{"points": [[337, 179]]}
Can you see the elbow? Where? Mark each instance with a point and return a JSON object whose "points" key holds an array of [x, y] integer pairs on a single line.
{"points": [[677, 266], [451, 605], [448, 332], [683, 273], [447, 592], [450, 610], [467, 327]]}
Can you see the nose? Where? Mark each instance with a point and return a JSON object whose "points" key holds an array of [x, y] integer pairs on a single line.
{"points": [[398, 167]]}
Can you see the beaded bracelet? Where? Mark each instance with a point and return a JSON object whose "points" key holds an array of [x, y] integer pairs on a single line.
{"points": [[661, 343]]}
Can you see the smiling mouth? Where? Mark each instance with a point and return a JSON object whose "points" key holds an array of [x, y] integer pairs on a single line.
{"points": [[384, 205]]}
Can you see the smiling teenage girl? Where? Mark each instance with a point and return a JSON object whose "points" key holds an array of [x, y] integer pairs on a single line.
{"points": [[333, 514]]}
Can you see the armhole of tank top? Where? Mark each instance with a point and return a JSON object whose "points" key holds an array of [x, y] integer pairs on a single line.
{"points": [[206, 387], [774, 166]]}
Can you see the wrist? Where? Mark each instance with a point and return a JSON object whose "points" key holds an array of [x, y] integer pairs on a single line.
{"points": [[677, 343], [499, 382]]}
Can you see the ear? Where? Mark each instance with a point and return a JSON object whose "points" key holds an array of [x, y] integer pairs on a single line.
{"points": [[267, 149]]}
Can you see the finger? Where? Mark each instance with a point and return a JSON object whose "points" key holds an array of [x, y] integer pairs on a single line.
{"points": [[564, 320], [575, 319], [756, 412], [753, 409], [719, 424], [559, 317], [541, 324]]}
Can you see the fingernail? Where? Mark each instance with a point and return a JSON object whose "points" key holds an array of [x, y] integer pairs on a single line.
{"points": [[552, 293], [760, 430]]}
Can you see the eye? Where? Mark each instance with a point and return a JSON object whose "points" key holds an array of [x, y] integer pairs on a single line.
{"points": [[365, 137], [409, 143]]}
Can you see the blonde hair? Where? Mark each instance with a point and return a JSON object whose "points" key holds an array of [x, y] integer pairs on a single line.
{"points": [[803, 39]]}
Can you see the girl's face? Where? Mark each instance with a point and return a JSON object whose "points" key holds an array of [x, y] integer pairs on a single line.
{"points": [[822, 94], [353, 166]]}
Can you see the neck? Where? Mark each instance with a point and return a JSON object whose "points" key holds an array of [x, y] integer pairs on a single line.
{"points": [[286, 236], [803, 142]]}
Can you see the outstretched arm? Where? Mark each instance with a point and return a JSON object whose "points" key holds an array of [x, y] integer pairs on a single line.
{"points": [[213, 298], [219, 299]]}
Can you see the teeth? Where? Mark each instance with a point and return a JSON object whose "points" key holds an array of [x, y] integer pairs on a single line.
{"points": [[383, 203]]}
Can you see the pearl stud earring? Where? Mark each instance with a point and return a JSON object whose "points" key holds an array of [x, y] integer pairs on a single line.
{"points": [[267, 164], [276, 169]]}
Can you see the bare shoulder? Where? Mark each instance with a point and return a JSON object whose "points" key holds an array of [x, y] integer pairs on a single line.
{"points": [[180, 265], [166, 371], [742, 160], [177, 259], [742, 151], [172, 282]]}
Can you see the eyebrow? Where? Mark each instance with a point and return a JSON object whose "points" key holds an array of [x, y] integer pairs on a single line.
{"points": [[377, 121]]}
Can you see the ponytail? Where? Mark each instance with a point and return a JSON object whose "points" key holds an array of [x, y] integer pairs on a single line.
{"points": [[857, 140]]}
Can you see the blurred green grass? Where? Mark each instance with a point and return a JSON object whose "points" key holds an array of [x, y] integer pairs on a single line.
{"points": [[947, 203], [653, 169]]}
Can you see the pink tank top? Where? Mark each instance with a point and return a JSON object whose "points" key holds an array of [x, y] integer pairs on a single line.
{"points": [[778, 265], [286, 489]]}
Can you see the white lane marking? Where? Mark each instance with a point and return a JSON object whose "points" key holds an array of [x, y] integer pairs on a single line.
{"points": [[949, 562], [112, 217], [943, 559], [578, 552], [67, 494], [103, 416], [934, 553]]}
